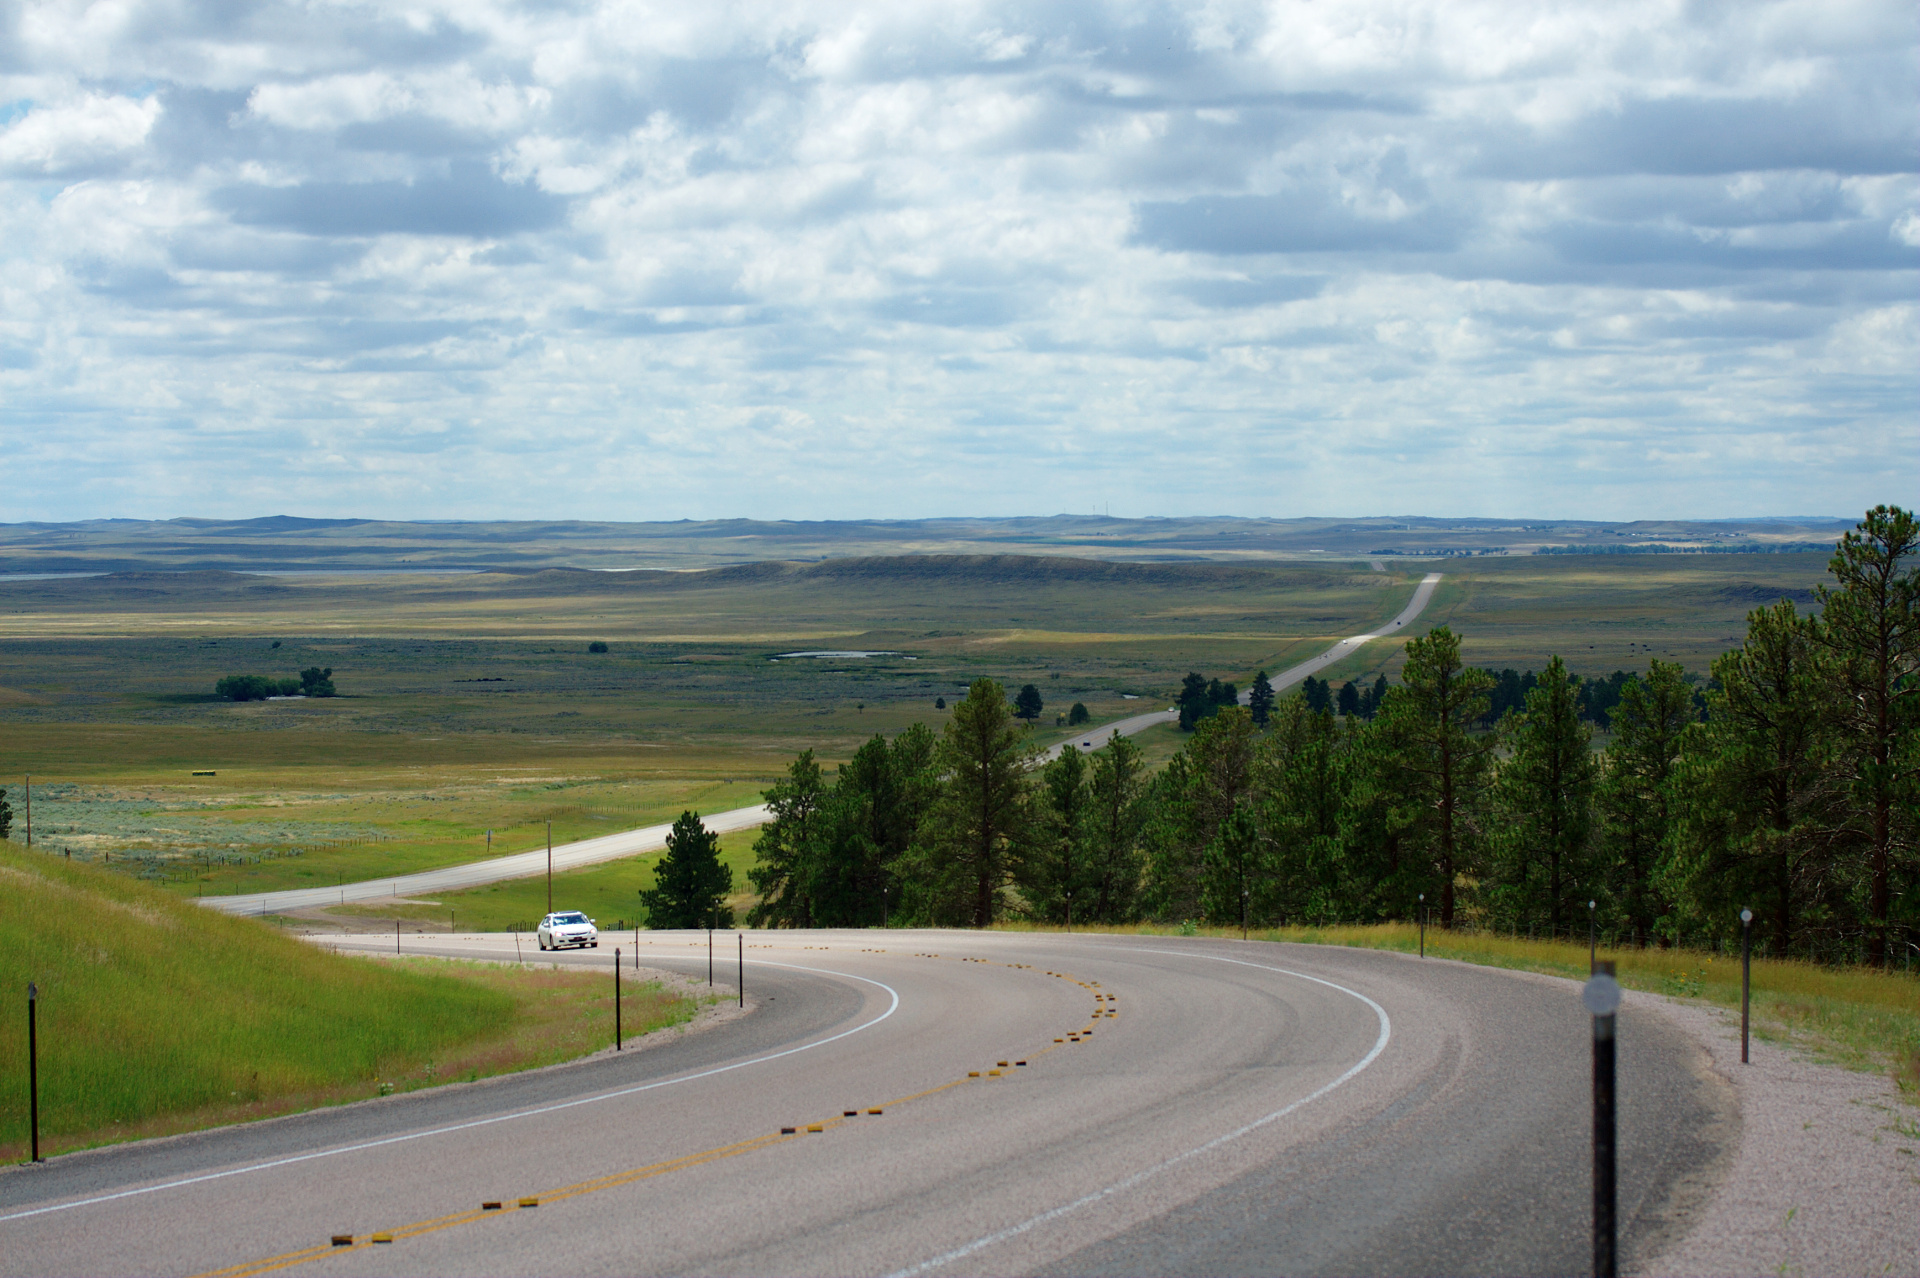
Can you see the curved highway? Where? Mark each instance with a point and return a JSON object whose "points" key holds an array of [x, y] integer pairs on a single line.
{"points": [[1184, 1106]]}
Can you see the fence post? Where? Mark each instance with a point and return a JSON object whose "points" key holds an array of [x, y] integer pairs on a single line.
{"points": [[33, 1068]]}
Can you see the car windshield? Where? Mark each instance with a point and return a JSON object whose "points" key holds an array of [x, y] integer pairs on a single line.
{"points": [[569, 918]]}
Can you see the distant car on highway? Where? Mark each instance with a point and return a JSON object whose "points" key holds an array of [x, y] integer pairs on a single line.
{"points": [[570, 927]]}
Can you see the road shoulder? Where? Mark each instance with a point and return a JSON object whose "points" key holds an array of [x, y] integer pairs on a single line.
{"points": [[1825, 1174]]}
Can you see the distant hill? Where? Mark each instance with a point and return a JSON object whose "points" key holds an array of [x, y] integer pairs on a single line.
{"points": [[289, 544]]}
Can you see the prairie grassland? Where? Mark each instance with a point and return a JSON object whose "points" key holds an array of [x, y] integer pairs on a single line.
{"points": [[1855, 1017], [471, 702], [446, 729], [1602, 612], [156, 1016]]}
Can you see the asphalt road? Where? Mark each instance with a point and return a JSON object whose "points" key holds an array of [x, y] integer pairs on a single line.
{"points": [[1094, 738], [653, 838], [1237, 1108]]}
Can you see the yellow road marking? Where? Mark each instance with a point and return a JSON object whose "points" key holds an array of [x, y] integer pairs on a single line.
{"points": [[289, 1260]]}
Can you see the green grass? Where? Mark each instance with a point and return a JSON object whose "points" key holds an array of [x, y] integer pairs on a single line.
{"points": [[608, 893], [1854, 1017], [157, 1016]]}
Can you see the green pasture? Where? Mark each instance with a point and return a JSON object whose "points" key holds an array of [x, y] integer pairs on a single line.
{"points": [[156, 1016]]}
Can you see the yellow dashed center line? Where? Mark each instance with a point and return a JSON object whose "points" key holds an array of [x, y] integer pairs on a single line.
{"points": [[340, 1243]]}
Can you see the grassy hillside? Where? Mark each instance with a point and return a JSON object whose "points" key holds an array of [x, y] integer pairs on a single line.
{"points": [[157, 1016]]}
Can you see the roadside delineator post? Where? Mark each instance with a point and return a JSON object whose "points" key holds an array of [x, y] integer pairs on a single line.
{"points": [[1746, 975], [33, 1069], [616, 998], [1423, 925], [712, 923], [396, 936], [741, 981], [1601, 995], [1592, 936]]}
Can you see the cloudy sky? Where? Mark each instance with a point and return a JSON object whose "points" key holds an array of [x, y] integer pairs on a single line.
{"points": [[620, 259]]}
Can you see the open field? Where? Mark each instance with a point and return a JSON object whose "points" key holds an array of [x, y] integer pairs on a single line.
{"points": [[157, 1017], [470, 703], [1855, 1017], [441, 735], [290, 544]]}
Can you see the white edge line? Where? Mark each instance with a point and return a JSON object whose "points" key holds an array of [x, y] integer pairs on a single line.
{"points": [[497, 1118], [1121, 1186]]}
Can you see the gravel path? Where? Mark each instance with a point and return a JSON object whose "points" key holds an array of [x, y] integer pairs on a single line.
{"points": [[1825, 1177]]}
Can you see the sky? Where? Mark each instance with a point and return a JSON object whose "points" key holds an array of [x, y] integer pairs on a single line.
{"points": [[614, 259]]}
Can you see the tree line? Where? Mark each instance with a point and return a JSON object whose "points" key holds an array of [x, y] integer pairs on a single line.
{"points": [[1787, 783]]}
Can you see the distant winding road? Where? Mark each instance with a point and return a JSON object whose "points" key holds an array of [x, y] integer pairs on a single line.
{"points": [[653, 838]]}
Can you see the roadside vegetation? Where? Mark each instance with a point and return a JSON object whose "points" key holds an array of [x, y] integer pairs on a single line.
{"points": [[157, 1016]]}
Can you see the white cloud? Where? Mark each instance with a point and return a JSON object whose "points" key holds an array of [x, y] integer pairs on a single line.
{"points": [[637, 259], [75, 136]]}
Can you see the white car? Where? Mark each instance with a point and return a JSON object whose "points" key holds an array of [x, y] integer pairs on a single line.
{"points": [[570, 927]]}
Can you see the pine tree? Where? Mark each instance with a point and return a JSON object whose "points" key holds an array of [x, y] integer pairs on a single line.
{"points": [[1261, 700], [1194, 703], [1348, 700], [1198, 790], [789, 846], [1762, 816], [1872, 628], [1440, 767], [975, 824], [1054, 870], [1299, 793], [1116, 818], [1636, 799], [1545, 799], [690, 884], [1028, 704], [6, 814], [1231, 866]]}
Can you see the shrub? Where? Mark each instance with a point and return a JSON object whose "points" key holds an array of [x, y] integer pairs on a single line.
{"points": [[255, 688], [597, 646]]}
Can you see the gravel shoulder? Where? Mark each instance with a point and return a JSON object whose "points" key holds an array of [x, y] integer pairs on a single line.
{"points": [[1825, 1174]]}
